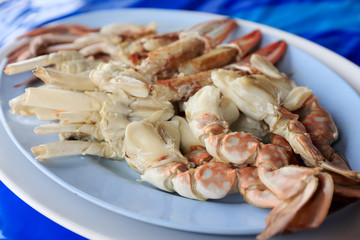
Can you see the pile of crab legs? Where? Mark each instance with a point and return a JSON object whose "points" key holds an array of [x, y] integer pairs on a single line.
{"points": [[121, 108]]}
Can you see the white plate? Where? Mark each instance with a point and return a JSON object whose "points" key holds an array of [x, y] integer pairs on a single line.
{"points": [[110, 189]]}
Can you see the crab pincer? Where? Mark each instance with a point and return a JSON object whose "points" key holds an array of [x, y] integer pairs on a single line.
{"points": [[75, 29], [214, 31], [222, 55], [272, 52], [163, 62]]}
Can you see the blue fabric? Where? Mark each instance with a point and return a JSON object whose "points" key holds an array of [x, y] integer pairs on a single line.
{"points": [[334, 24]]}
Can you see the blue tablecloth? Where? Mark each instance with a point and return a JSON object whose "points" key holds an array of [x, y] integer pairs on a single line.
{"points": [[334, 24]]}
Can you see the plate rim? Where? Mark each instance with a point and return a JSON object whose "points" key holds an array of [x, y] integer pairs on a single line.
{"points": [[299, 42]]}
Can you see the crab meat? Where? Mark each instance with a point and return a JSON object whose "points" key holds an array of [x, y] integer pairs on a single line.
{"points": [[293, 185], [166, 168], [260, 98], [116, 76], [182, 87]]}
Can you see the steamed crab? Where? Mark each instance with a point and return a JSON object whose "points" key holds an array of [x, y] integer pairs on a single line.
{"points": [[122, 108]]}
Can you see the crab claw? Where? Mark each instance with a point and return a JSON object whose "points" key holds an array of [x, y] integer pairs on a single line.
{"points": [[319, 204], [294, 179], [75, 29], [222, 55], [306, 210], [215, 31], [279, 218], [272, 52], [245, 43], [164, 61]]}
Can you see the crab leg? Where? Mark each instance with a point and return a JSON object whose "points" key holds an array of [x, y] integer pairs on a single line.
{"points": [[222, 55], [42, 114], [128, 29], [68, 148], [61, 47], [17, 51], [116, 33], [278, 140], [323, 133], [159, 60], [45, 114], [106, 126], [52, 128], [66, 80], [91, 50], [63, 28], [38, 44], [43, 60], [66, 100], [170, 56], [45, 36], [129, 51], [182, 87], [139, 49], [322, 130], [61, 100], [104, 117], [66, 37]]}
